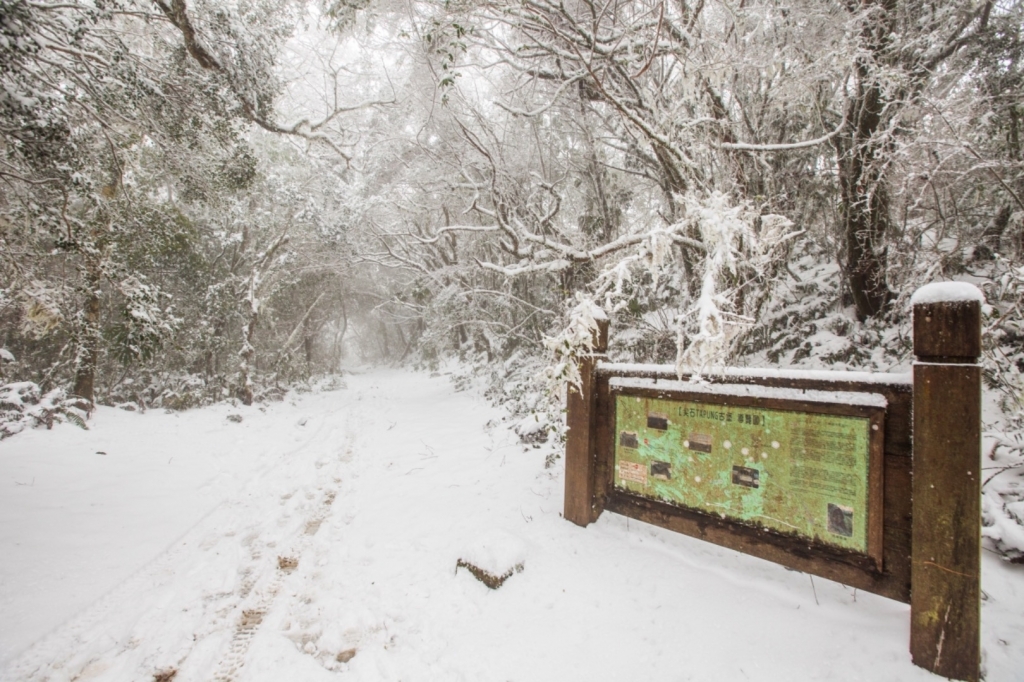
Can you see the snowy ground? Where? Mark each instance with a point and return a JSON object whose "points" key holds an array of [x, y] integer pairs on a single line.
{"points": [[328, 527]]}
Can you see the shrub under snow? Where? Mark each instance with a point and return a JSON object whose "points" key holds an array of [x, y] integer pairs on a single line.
{"points": [[23, 404]]}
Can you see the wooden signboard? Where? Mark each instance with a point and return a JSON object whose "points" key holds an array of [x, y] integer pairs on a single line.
{"points": [[869, 479]]}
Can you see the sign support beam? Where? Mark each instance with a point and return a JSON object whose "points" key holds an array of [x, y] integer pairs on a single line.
{"points": [[945, 604], [580, 444]]}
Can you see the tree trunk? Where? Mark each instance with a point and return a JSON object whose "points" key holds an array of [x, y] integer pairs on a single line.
{"points": [[864, 192], [382, 340], [307, 345], [248, 354], [339, 339], [88, 346], [865, 215]]}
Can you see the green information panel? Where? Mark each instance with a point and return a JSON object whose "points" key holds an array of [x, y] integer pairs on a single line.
{"points": [[801, 473]]}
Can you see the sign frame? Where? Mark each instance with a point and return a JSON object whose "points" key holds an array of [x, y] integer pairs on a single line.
{"points": [[874, 485]]}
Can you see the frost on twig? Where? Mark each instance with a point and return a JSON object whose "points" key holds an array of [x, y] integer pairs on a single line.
{"points": [[737, 254], [573, 343], [740, 249]]}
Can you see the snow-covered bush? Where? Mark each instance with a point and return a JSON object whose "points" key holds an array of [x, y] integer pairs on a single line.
{"points": [[319, 383], [6, 358], [23, 405], [144, 324], [1003, 491], [807, 323], [167, 390], [1003, 525]]}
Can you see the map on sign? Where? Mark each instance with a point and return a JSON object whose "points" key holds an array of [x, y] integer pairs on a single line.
{"points": [[796, 472]]}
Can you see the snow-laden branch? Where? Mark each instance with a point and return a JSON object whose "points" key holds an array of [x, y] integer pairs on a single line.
{"points": [[569, 255], [297, 127], [551, 266], [177, 13], [544, 107], [441, 231], [745, 147]]}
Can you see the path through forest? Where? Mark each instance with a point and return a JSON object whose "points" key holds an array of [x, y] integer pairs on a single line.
{"points": [[318, 537]]}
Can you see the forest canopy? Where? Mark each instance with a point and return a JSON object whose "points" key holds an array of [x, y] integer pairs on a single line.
{"points": [[204, 200]]}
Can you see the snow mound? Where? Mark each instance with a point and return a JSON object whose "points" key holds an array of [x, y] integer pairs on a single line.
{"points": [[533, 428], [940, 292], [497, 553]]}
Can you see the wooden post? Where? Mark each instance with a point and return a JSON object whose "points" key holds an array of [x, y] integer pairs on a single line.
{"points": [[945, 586], [580, 443]]}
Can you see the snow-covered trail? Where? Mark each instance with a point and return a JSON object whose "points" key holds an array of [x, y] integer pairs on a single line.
{"points": [[320, 538], [172, 528]]}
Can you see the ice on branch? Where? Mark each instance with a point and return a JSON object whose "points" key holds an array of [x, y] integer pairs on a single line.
{"points": [[574, 342], [733, 243]]}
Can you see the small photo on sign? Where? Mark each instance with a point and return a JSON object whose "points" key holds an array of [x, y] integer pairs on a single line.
{"points": [[661, 470], [840, 520], [627, 439], [657, 421], [747, 477], [699, 442]]}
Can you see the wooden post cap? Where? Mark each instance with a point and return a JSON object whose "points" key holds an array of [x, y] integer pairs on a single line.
{"points": [[947, 322]]}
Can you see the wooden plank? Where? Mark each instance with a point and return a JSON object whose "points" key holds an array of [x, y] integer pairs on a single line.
{"points": [[897, 564], [790, 404], [898, 424], [897, 488], [850, 568], [876, 492], [897, 528], [898, 394]]}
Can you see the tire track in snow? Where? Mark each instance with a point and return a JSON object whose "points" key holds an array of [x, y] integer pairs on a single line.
{"points": [[255, 609], [254, 599], [64, 652]]}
